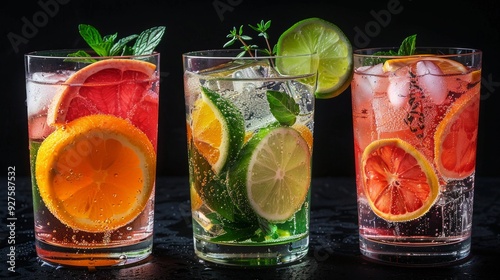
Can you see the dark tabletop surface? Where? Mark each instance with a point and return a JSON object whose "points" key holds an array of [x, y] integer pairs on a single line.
{"points": [[333, 252]]}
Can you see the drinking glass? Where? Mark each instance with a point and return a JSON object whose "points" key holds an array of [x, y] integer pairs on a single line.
{"points": [[92, 125], [415, 134], [250, 127]]}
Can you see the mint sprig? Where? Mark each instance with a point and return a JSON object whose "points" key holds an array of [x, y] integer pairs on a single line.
{"points": [[407, 47], [283, 107], [107, 45]]}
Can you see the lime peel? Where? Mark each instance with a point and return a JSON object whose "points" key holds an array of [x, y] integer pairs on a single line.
{"points": [[315, 35], [279, 190]]}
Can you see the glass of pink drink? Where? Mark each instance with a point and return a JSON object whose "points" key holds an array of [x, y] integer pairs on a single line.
{"points": [[415, 133], [92, 125]]}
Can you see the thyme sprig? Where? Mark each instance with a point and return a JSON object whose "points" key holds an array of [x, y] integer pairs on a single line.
{"points": [[236, 35]]}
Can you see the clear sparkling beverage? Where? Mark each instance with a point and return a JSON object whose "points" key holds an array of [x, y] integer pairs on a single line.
{"points": [[415, 133], [249, 136]]}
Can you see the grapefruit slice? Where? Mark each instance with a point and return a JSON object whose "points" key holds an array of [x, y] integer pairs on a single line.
{"points": [[119, 87], [398, 181], [96, 173], [456, 138]]}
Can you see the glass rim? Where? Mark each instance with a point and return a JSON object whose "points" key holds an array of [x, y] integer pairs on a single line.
{"points": [[459, 51], [232, 54], [62, 54]]}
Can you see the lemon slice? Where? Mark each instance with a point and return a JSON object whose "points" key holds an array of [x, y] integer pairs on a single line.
{"points": [[314, 35], [448, 66], [96, 173], [272, 175]]}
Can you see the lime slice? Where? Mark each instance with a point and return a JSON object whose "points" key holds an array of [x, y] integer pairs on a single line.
{"points": [[315, 35], [209, 187], [215, 136], [272, 174]]}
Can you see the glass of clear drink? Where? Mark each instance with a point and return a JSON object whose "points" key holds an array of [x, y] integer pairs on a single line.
{"points": [[249, 137], [92, 125], [415, 134]]}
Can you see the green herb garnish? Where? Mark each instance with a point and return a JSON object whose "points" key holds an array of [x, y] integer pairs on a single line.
{"points": [[283, 107], [144, 43], [237, 35], [407, 47]]}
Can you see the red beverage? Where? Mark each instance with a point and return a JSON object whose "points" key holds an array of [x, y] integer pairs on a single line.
{"points": [[415, 133], [92, 134]]}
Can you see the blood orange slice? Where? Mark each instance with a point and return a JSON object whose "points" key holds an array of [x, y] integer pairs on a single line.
{"points": [[120, 87], [398, 181], [456, 138]]}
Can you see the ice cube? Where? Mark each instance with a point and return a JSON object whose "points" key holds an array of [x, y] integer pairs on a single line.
{"points": [[399, 86], [370, 80], [192, 87], [430, 80], [41, 88]]}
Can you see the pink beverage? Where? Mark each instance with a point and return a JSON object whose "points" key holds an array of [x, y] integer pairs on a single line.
{"points": [[92, 140], [415, 132]]}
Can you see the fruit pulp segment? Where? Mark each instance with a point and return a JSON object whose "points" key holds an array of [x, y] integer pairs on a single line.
{"points": [[222, 213], [417, 109]]}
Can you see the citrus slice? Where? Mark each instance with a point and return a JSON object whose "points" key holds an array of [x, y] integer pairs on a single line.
{"points": [[119, 87], [456, 138], [398, 181], [306, 133], [272, 175], [96, 173], [314, 35], [447, 66], [217, 129]]}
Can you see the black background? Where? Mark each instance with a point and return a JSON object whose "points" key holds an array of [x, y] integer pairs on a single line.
{"points": [[196, 25]]}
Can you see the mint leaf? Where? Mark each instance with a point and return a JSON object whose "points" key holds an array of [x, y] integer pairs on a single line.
{"points": [[81, 54], [283, 107], [408, 45], [145, 43], [93, 38], [120, 47], [107, 42], [148, 40]]}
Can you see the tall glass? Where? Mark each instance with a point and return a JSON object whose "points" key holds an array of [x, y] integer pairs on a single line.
{"points": [[92, 125], [249, 136], [415, 135]]}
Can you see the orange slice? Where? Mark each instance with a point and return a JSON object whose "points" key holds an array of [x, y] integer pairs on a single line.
{"points": [[448, 66], [306, 133], [119, 87], [217, 129], [96, 173], [398, 181], [456, 138]]}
